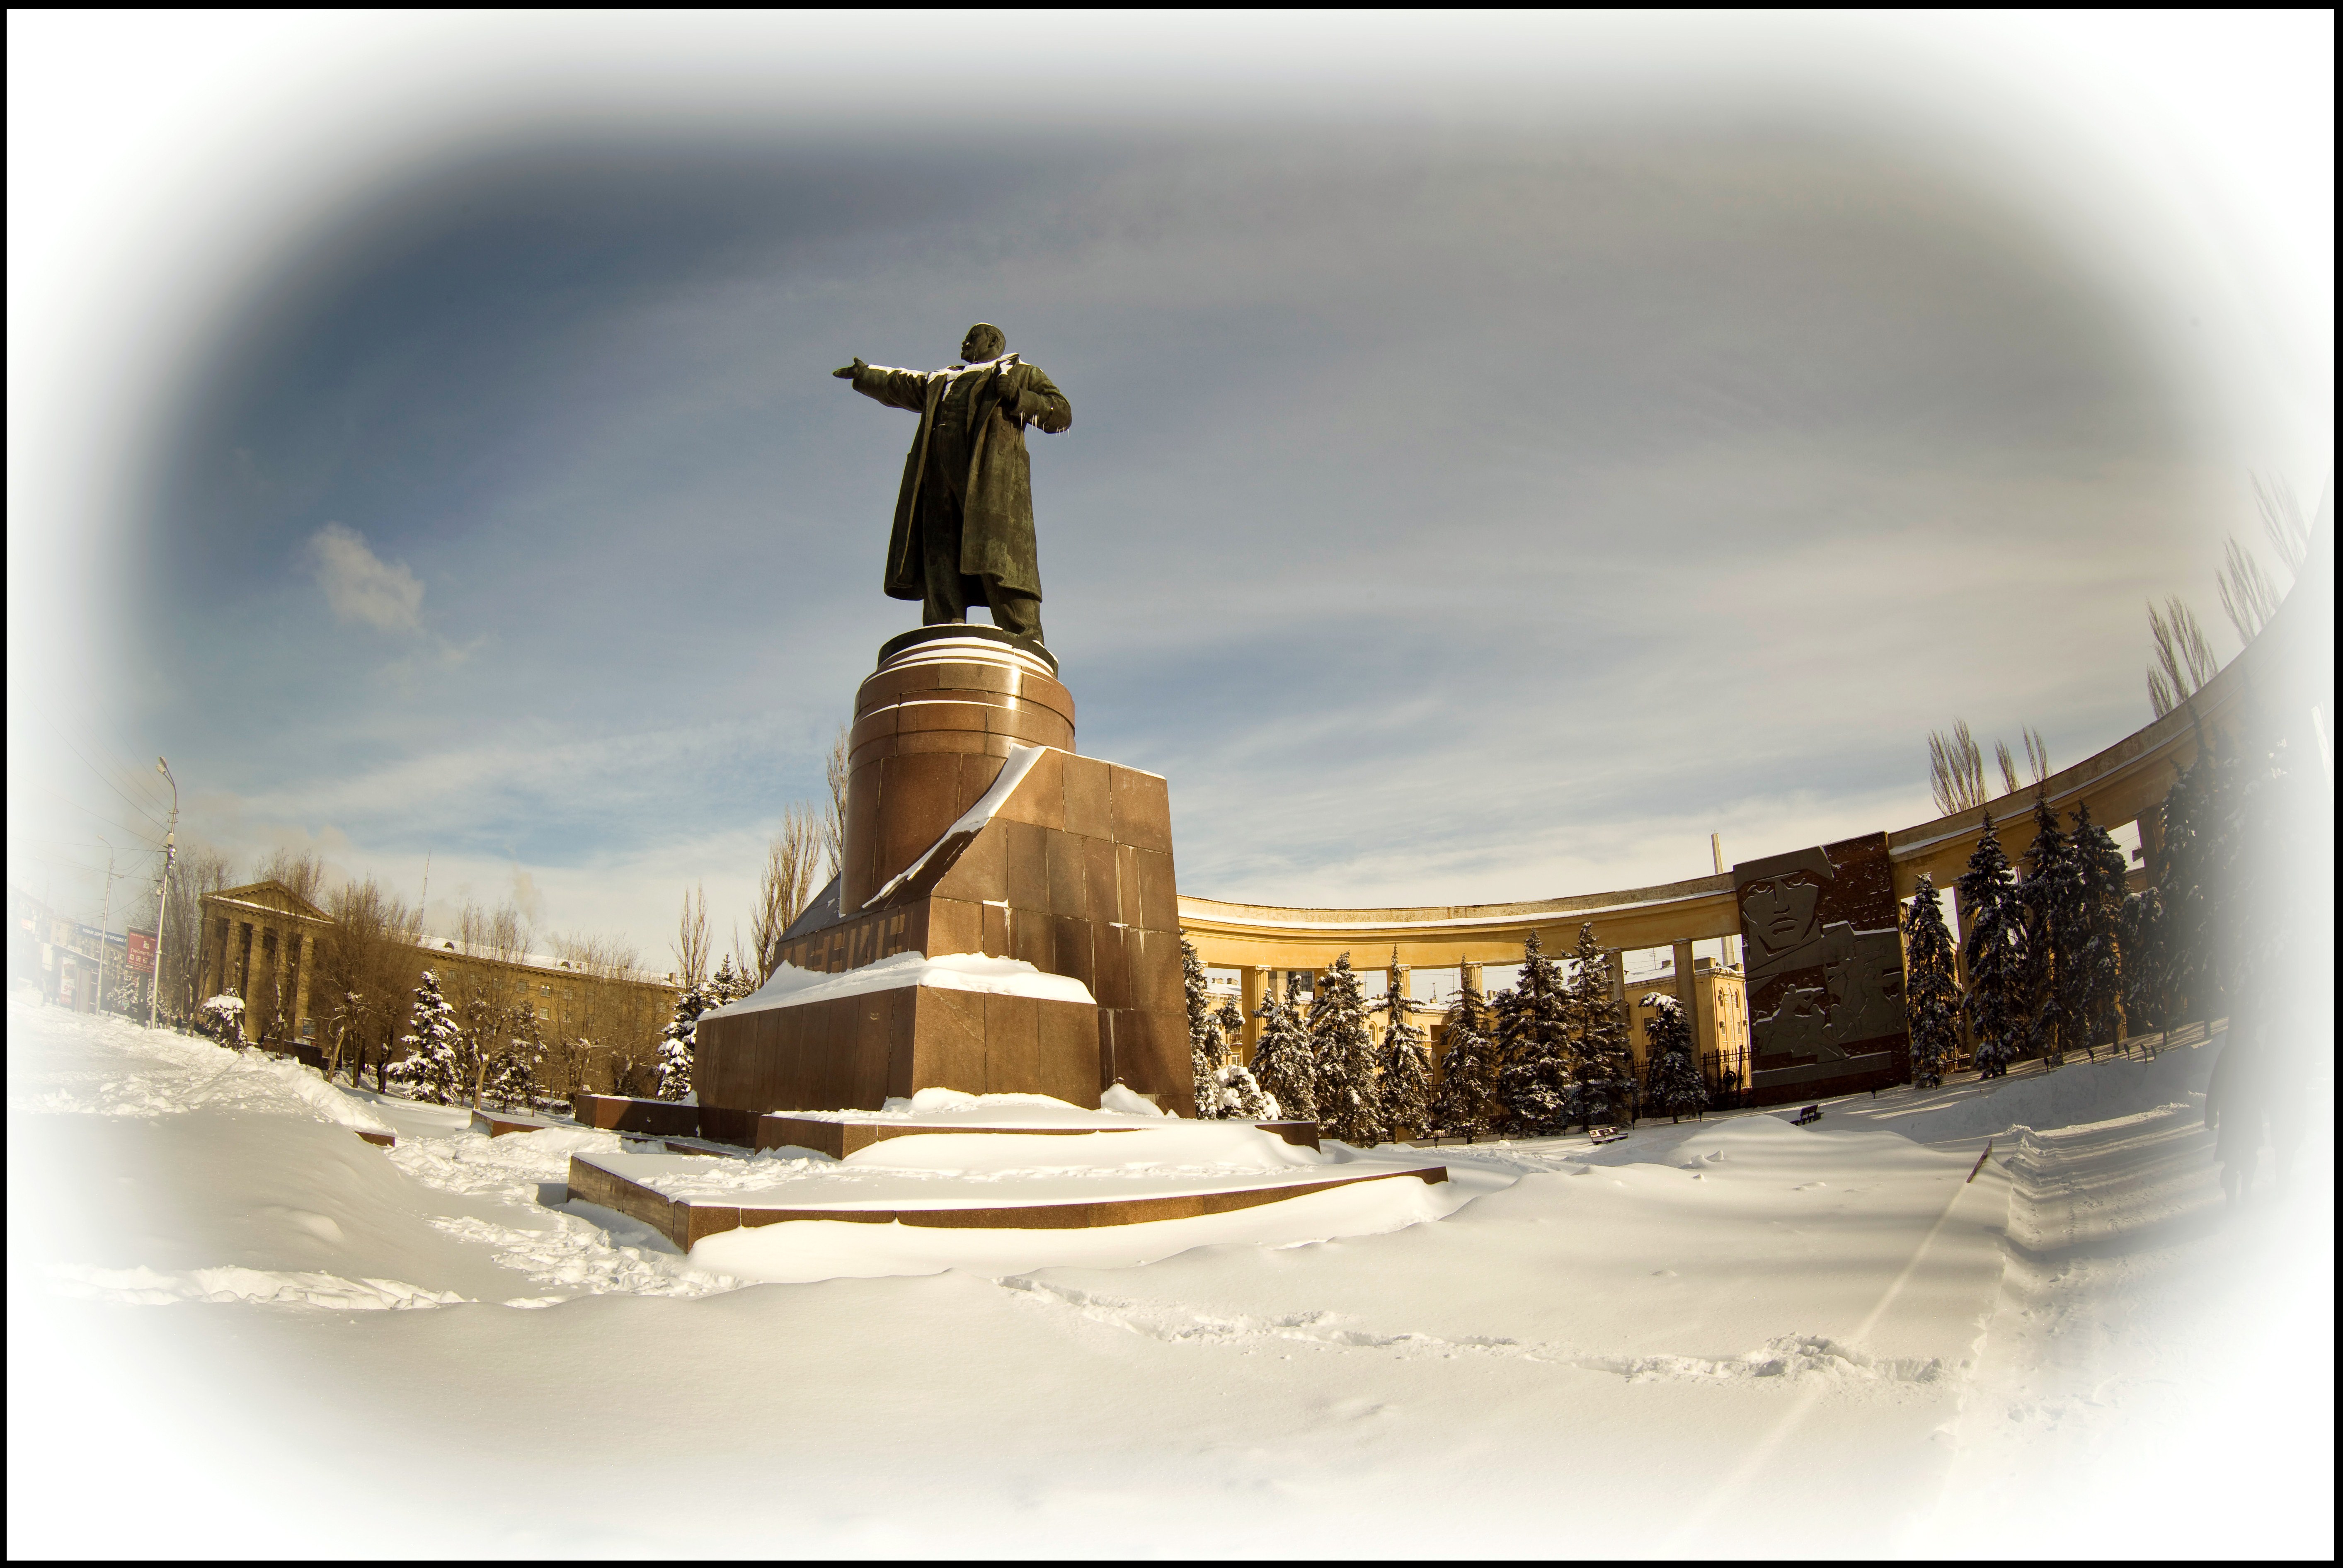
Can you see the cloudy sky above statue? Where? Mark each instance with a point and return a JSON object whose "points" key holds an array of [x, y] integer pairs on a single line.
{"points": [[1486, 479]]}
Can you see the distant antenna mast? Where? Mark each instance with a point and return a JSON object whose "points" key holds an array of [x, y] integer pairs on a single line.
{"points": [[427, 891]]}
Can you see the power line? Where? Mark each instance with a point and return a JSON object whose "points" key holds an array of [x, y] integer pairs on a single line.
{"points": [[93, 768], [137, 833]]}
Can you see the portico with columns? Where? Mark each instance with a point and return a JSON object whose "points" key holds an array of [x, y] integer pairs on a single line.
{"points": [[260, 942]]}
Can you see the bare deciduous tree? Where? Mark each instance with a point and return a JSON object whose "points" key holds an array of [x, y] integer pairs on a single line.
{"points": [[197, 870], [589, 952], [1956, 770], [791, 867], [834, 829], [692, 937], [2037, 756], [2185, 660], [2249, 595], [634, 1070], [622, 1022], [298, 870], [369, 965], [485, 995], [572, 1054]]}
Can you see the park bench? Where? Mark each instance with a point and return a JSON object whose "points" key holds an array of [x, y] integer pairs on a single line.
{"points": [[1810, 1113], [1607, 1134]]}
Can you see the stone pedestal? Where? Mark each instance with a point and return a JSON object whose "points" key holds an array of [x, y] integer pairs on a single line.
{"points": [[1070, 871]]}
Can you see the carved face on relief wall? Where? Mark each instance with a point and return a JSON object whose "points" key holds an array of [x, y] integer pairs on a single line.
{"points": [[1778, 913]]}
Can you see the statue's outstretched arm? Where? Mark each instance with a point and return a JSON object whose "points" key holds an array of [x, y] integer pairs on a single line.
{"points": [[896, 388]]}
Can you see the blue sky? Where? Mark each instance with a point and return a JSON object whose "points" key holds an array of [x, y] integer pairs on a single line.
{"points": [[1481, 490]]}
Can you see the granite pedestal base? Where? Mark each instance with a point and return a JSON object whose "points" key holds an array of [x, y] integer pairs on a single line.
{"points": [[1070, 871]]}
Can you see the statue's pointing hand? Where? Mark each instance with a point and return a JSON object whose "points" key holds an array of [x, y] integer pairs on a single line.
{"points": [[847, 372]]}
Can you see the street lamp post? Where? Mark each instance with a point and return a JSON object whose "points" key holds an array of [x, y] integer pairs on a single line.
{"points": [[163, 902]]}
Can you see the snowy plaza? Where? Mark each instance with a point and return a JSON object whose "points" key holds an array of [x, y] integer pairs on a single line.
{"points": [[1737, 1335]]}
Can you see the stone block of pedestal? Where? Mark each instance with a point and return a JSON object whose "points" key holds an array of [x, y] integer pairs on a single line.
{"points": [[973, 828]]}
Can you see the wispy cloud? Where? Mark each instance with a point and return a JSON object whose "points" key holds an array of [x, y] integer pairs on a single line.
{"points": [[362, 588]]}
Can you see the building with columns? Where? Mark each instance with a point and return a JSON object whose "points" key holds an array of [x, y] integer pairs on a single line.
{"points": [[260, 942]]}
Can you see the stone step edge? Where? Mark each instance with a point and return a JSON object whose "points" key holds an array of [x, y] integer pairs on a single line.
{"points": [[688, 1222]]}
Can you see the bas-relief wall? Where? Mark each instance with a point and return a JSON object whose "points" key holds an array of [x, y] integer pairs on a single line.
{"points": [[1825, 968]]}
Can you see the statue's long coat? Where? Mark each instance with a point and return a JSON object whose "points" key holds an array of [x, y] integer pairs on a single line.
{"points": [[996, 533]]}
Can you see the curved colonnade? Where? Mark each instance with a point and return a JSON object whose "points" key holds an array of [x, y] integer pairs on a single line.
{"points": [[2286, 670]]}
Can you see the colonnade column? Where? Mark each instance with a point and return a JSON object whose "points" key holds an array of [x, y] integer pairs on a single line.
{"points": [[276, 976], [1253, 982], [244, 974], [1688, 994], [305, 952]]}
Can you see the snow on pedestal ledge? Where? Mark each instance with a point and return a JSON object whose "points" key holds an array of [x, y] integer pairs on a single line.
{"points": [[794, 987]]}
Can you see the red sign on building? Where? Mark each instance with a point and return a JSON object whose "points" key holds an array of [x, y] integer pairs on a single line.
{"points": [[142, 952]]}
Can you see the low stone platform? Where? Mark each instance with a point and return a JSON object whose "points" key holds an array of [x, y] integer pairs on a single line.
{"points": [[501, 1124], [379, 1140], [643, 1118], [840, 1135], [605, 1180]]}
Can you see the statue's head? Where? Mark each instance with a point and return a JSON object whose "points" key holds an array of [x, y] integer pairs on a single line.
{"points": [[984, 341]]}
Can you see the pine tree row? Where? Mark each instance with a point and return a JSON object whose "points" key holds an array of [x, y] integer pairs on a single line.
{"points": [[1548, 1050], [2063, 957]]}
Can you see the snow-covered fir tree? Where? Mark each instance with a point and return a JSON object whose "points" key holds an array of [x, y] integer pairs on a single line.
{"points": [[2051, 898], [1203, 1038], [1282, 1058], [2198, 845], [1672, 1081], [2142, 942], [1536, 1043], [1932, 991], [513, 1071], [1233, 1082], [729, 983], [678, 1039], [1345, 1052], [432, 1070], [1403, 1086], [2099, 961], [1604, 1078], [1465, 1104], [1992, 947], [1230, 1020]]}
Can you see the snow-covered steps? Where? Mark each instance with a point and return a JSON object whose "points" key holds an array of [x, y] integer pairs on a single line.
{"points": [[626, 1183]]}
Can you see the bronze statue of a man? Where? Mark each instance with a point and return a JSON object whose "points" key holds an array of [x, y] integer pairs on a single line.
{"points": [[964, 518]]}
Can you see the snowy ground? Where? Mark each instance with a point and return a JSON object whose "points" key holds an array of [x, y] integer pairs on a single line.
{"points": [[1739, 1337]]}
